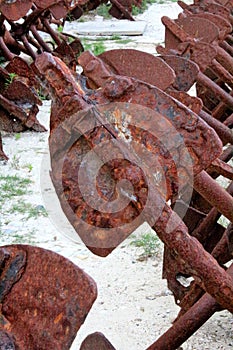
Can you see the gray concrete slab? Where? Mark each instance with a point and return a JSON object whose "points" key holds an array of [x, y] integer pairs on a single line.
{"points": [[109, 27]]}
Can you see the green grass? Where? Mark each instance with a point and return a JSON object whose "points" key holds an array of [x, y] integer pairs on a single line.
{"points": [[28, 210], [23, 239], [15, 162], [60, 28], [115, 37], [144, 6], [96, 47], [118, 39], [18, 238], [28, 166], [102, 10], [124, 41], [17, 136], [13, 186], [149, 244], [41, 94], [9, 80]]}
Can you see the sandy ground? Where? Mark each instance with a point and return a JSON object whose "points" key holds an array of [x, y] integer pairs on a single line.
{"points": [[134, 306]]}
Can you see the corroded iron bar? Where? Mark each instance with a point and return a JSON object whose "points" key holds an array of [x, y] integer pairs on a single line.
{"points": [[227, 154], [222, 252], [225, 97], [39, 38], [7, 53], [211, 277], [225, 59], [229, 121], [28, 46], [222, 130], [123, 9], [214, 194], [221, 71], [226, 47], [221, 168], [52, 32]]}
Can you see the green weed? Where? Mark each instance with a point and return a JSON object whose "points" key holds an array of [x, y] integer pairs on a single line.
{"points": [[17, 136], [9, 80], [115, 37], [60, 29], [149, 243], [29, 238], [15, 162], [96, 47], [102, 10], [28, 166], [41, 94]]}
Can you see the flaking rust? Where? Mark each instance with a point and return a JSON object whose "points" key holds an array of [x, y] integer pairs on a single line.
{"points": [[94, 125], [44, 299]]}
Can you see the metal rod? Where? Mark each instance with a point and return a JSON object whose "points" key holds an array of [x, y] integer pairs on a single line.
{"points": [[214, 194], [223, 95], [222, 130]]}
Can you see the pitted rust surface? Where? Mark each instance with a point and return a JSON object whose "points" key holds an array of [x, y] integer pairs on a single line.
{"points": [[129, 62], [96, 341], [186, 72], [14, 10], [45, 293], [118, 89]]}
